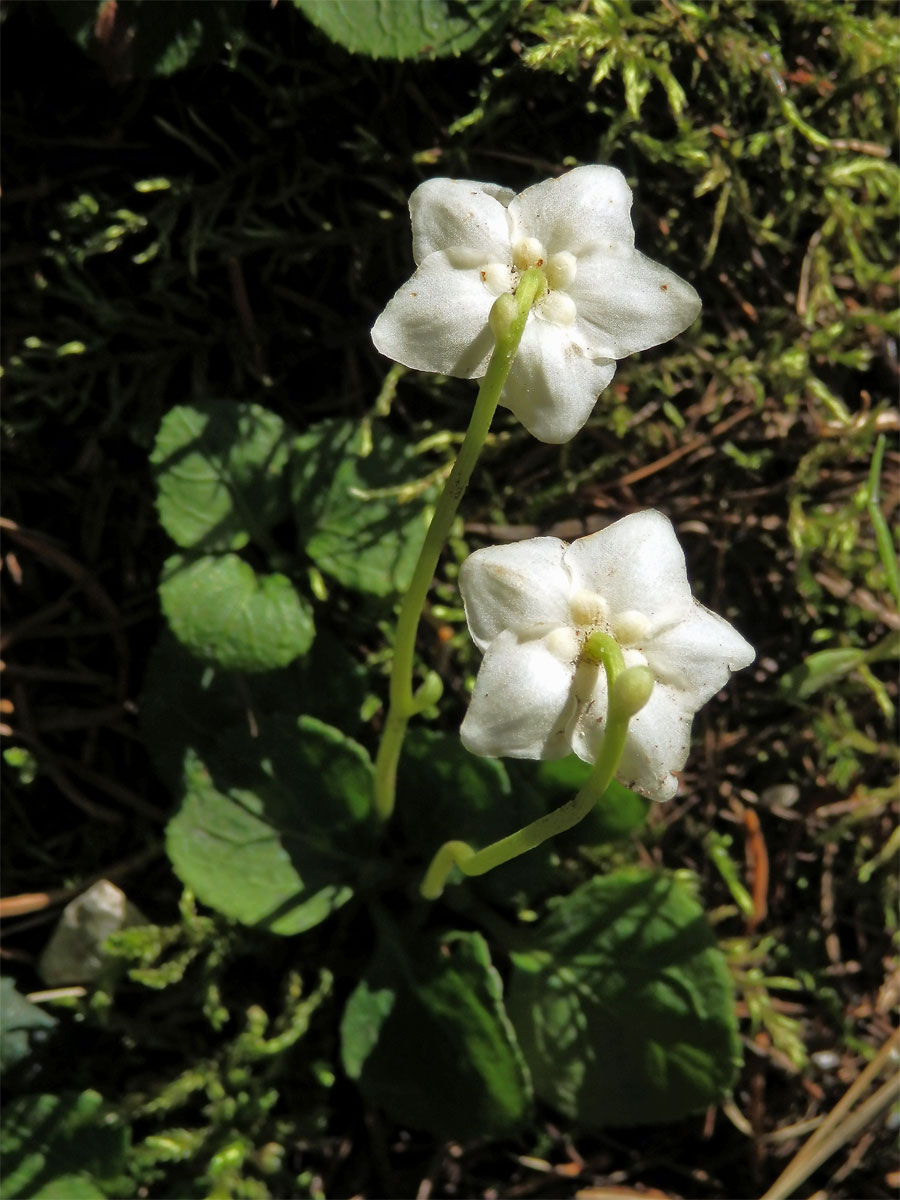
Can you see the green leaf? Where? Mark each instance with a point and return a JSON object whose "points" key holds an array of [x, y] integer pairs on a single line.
{"points": [[819, 670], [22, 1024], [411, 29], [446, 792], [274, 829], [367, 542], [219, 469], [62, 1146], [227, 614], [826, 667], [187, 703], [142, 38], [426, 1038], [624, 1005]]}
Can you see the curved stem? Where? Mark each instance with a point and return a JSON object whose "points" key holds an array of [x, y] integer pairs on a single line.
{"points": [[402, 701], [622, 706]]}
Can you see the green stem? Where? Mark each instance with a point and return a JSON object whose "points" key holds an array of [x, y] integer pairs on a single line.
{"points": [[629, 690], [883, 538], [508, 318]]}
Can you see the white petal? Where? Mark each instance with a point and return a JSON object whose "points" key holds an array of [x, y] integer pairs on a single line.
{"points": [[518, 586], [581, 208], [697, 655], [521, 702], [552, 387], [659, 739], [635, 564], [438, 321], [629, 303], [458, 212]]}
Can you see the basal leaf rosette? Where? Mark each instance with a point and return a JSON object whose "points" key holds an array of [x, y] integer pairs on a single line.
{"points": [[602, 300], [532, 606]]}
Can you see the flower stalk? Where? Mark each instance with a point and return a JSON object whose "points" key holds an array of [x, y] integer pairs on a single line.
{"points": [[629, 691], [508, 319]]}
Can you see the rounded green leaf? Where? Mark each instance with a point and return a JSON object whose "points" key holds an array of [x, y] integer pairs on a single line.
{"points": [[624, 1004], [219, 473], [274, 828], [362, 537], [426, 1037], [406, 28], [227, 614]]}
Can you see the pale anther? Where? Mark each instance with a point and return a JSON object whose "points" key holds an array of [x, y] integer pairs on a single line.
{"points": [[529, 252], [588, 609], [563, 644], [561, 269], [630, 627], [497, 278], [558, 309]]}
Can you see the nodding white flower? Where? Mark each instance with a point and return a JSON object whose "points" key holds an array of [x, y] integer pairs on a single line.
{"points": [[532, 605], [603, 299]]}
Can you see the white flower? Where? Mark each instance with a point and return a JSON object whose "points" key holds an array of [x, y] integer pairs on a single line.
{"points": [[532, 605], [603, 299]]}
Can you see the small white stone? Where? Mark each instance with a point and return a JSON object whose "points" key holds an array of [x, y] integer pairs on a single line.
{"points": [[558, 309], [826, 1060], [561, 269], [529, 252], [630, 627], [75, 952], [588, 609]]}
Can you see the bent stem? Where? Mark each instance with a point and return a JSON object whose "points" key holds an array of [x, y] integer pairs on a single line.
{"points": [[629, 691], [508, 318]]}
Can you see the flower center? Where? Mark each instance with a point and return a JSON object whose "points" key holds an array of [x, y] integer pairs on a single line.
{"points": [[591, 611], [559, 270]]}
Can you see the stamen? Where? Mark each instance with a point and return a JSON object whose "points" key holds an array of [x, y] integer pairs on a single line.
{"points": [[561, 269], [588, 609], [497, 278], [630, 627], [529, 252], [563, 644], [558, 309]]}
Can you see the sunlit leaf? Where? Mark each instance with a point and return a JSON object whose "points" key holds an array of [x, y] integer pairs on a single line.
{"points": [[274, 828], [365, 539], [227, 614], [219, 470], [406, 28], [623, 1003]]}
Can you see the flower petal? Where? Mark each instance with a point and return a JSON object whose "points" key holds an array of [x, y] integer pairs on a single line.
{"points": [[521, 702], [518, 586], [634, 564], [447, 213], [583, 207], [658, 743], [629, 303], [697, 655], [552, 387], [438, 321], [659, 738]]}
